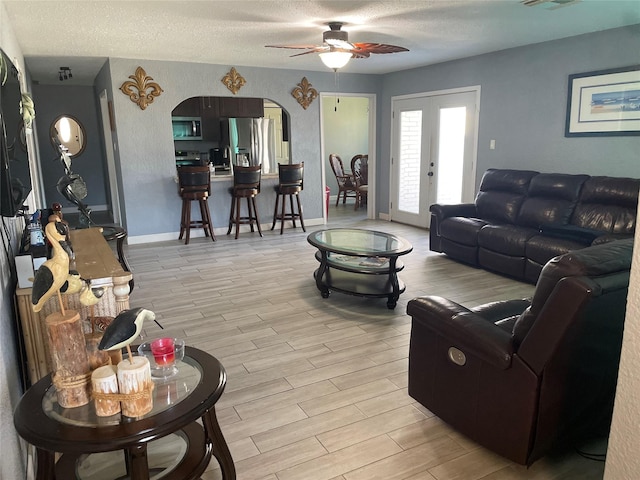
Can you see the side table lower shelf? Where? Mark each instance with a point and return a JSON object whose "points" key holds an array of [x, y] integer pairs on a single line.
{"points": [[378, 286], [194, 456]]}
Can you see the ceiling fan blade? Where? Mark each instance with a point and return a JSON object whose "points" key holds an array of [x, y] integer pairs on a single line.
{"points": [[378, 48], [360, 54], [315, 50], [299, 47]]}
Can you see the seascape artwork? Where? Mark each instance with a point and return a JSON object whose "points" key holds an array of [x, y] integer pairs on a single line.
{"points": [[616, 101]]}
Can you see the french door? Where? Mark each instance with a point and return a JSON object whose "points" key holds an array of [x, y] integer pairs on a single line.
{"points": [[434, 142]]}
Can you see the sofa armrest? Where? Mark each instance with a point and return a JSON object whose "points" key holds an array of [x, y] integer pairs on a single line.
{"points": [[457, 210], [501, 310], [466, 330], [441, 212]]}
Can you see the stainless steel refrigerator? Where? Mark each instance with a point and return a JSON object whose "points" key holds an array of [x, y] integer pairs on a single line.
{"points": [[252, 142]]}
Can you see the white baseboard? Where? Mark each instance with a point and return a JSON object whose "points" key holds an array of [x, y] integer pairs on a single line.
{"points": [[220, 231], [384, 216]]}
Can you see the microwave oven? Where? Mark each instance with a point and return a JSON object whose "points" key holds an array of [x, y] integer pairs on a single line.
{"points": [[186, 128]]}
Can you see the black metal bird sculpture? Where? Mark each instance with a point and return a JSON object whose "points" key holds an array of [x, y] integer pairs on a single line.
{"points": [[125, 328], [53, 273]]}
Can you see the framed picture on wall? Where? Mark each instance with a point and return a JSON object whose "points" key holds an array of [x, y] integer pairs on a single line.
{"points": [[604, 103]]}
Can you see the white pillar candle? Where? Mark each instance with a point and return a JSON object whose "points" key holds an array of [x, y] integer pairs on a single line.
{"points": [[104, 381], [134, 379]]}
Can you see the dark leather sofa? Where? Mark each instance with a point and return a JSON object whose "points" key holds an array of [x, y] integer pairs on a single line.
{"points": [[524, 377], [521, 219]]}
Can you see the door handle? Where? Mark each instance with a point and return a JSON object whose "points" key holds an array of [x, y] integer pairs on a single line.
{"points": [[430, 174]]}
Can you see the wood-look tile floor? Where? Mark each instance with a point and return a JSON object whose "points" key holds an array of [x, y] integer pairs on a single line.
{"points": [[317, 388]]}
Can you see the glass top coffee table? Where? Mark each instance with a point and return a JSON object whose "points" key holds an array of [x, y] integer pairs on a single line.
{"points": [[359, 262]]}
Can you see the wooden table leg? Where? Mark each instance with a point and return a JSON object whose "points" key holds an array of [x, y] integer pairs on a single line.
{"points": [[45, 469], [220, 448], [138, 468], [324, 290]]}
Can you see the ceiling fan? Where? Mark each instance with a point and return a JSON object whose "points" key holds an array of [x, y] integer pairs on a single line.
{"points": [[336, 50]]}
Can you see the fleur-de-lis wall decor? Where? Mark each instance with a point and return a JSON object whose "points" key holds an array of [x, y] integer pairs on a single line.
{"points": [[137, 89], [233, 80], [304, 93]]}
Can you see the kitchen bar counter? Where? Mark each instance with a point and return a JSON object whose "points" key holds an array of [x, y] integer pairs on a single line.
{"points": [[220, 203]]}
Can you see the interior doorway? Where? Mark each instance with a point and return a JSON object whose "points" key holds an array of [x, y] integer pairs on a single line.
{"points": [[434, 149], [347, 127]]}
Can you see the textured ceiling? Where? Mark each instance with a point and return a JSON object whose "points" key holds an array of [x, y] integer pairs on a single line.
{"points": [[83, 34]]}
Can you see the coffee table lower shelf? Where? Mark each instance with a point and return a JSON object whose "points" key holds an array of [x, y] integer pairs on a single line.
{"points": [[352, 283]]}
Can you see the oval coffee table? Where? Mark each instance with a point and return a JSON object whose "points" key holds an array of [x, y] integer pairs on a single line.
{"points": [[359, 262], [167, 443]]}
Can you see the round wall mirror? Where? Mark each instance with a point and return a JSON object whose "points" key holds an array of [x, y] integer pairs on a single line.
{"points": [[70, 133]]}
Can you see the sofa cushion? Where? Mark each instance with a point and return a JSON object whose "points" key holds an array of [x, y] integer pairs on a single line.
{"points": [[462, 230], [506, 239], [551, 199], [593, 261], [510, 265], [505, 180], [501, 194], [583, 236], [608, 204], [463, 253], [542, 248]]}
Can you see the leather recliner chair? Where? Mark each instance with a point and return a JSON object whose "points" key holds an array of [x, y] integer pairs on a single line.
{"points": [[520, 377]]}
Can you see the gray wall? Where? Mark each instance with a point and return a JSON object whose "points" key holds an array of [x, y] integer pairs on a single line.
{"points": [[145, 142], [523, 106], [80, 102]]}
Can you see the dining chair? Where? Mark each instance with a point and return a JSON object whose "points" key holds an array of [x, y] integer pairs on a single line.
{"points": [[346, 181], [290, 184], [360, 169], [246, 184], [195, 185]]}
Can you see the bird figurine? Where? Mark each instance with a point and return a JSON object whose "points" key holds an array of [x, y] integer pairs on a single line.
{"points": [[125, 328], [90, 296], [53, 273], [73, 283]]}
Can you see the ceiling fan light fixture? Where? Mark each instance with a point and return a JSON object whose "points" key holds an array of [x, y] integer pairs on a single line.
{"points": [[335, 60]]}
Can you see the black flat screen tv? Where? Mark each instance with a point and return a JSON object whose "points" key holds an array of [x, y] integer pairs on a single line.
{"points": [[15, 176]]}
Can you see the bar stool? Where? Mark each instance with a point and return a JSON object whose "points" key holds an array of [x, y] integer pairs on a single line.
{"points": [[246, 184], [195, 184], [290, 185]]}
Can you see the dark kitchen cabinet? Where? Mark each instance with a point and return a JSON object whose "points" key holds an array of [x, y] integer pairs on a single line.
{"points": [[211, 110], [188, 108], [232, 107]]}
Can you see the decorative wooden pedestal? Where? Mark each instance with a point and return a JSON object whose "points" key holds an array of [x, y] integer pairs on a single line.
{"points": [[97, 358], [71, 372]]}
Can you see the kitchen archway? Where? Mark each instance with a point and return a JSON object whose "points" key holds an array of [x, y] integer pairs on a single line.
{"points": [[225, 130]]}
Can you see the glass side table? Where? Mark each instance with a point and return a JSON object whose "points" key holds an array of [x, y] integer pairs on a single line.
{"points": [[167, 443]]}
